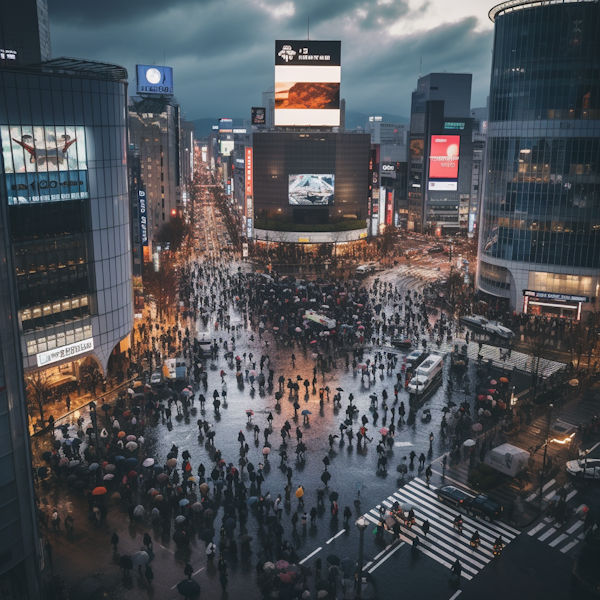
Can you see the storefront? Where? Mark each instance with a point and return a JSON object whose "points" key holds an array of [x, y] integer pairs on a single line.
{"points": [[548, 304]]}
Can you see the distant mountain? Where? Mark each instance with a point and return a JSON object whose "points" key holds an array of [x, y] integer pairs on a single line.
{"points": [[356, 119]]}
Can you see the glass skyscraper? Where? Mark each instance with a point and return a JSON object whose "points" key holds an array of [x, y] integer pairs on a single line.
{"points": [[540, 235]]}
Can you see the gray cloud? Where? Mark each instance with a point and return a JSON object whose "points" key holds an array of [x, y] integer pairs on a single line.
{"points": [[222, 51]]}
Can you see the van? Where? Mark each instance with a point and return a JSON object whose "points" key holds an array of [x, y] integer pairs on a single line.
{"points": [[426, 374]]}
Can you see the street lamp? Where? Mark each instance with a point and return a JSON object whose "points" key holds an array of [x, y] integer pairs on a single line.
{"points": [[362, 524], [551, 406]]}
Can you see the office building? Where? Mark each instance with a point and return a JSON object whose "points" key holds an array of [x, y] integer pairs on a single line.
{"points": [[539, 246], [24, 32], [386, 133], [480, 120], [440, 154]]}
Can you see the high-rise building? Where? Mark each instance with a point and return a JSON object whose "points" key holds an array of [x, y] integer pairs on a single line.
{"points": [[439, 183], [480, 120], [268, 101], [539, 245], [386, 133], [24, 32]]}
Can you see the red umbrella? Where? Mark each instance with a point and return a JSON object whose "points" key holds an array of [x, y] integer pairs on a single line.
{"points": [[481, 397], [493, 382], [99, 491]]}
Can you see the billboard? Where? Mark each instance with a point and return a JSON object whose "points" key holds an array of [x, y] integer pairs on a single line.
{"points": [[311, 189], [154, 80], [44, 164], [143, 204], [307, 83], [227, 147], [259, 115], [443, 156], [443, 186]]}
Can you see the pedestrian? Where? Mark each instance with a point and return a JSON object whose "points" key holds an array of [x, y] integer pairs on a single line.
{"points": [[55, 520], [294, 520], [147, 541], [188, 570], [114, 540], [69, 524], [425, 528], [347, 515], [149, 573], [210, 552], [68, 400], [223, 580]]}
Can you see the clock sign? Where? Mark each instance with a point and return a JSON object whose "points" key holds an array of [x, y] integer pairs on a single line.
{"points": [[153, 80]]}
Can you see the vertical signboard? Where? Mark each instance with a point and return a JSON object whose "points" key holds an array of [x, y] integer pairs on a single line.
{"points": [[143, 207], [390, 208], [248, 176]]}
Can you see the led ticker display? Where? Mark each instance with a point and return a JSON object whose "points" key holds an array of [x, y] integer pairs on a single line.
{"points": [[311, 190], [154, 80], [307, 83], [443, 156], [44, 164]]}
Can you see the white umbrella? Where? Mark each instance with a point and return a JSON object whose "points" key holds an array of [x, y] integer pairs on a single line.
{"points": [[131, 446], [139, 511], [468, 443], [148, 462], [140, 558]]}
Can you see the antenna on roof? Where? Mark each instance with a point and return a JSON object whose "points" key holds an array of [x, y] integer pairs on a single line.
{"points": [[308, 28], [420, 67]]}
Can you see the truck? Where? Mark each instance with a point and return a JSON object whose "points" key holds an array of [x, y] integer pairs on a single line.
{"points": [[507, 459], [426, 375], [175, 369]]}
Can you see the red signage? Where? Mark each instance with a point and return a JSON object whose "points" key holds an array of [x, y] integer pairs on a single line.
{"points": [[248, 172], [390, 208], [443, 156]]}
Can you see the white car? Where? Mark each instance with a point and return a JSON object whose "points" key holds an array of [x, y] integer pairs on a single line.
{"points": [[580, 470]]}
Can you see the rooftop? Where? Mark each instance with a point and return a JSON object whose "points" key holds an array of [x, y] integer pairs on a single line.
{"points": [[513, 5], [78, 67]]}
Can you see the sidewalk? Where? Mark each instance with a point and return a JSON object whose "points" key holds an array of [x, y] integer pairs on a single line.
{"points": [[521, 500]]}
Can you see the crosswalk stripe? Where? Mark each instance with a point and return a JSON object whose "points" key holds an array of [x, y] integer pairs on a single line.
{"points": [[535, 494], [575, 527], [537, 528], [558, 540], [570, 495], [548, 533], [569, 546], [486, 526]]}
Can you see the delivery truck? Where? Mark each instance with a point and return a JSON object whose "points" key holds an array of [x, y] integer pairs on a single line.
{"points": [[507, 459]]}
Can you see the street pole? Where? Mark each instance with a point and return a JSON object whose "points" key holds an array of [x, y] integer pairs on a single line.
{"points": [[545, 453], [362, 524]]}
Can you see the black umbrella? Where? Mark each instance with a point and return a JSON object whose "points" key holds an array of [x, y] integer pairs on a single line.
{"points": [[47, 456], [332, 559], [333, 497], [125, 562], [56, 444], [325, 477], [43, 472], [339, 389], [207, 535], [188, 588], [348, 422], [106, 407], [326, 461]]}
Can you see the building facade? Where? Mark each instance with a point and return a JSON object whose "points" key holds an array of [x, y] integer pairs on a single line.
{"points": [[439, 186], [539, 247], [64, 180]]}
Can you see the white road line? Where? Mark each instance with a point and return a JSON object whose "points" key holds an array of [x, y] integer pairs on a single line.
{"points": [[335, 536], [198, 571], [456, 595], [535, 494], [171, 551], [558, 540], [570, 495], [311, 555], [384, 559], [452, 480], [537, 528], [569, 546], [575, 527], [548, 533]]}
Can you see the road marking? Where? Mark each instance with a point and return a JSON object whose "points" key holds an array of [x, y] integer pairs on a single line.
{"points": [[535, 494], [558, 540], [569, 546], [198, 571], [171, 551], [453, 481], [575, 527], [570, 495], [456, 595], [548, 533], [335, 536], [311, 555], [384, 559], [537, 528]]}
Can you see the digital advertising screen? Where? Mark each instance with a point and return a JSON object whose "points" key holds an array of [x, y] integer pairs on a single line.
{"points": [[259, 115], [443, 156], [307, 83], [227, 147], [44, 164], [154, 80], [311, 190]]}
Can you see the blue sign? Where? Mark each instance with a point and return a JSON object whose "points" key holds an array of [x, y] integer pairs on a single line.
{"points": [[249, 227], [52, 186], [143, 216], [154, 80]]}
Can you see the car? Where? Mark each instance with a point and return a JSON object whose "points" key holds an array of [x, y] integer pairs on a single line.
{"points": [[415, 358], [157, 378], [483, 507], [450, 494], [562, 432]]}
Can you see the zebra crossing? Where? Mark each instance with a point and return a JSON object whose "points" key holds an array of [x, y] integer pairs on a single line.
{"points": [[565, 537], [443, 543]]}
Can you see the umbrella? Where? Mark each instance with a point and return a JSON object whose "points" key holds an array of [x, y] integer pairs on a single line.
{"points": [[131, 438], [503, 380], [298, 330], [250, 412], [574, 382], [171, 462], [282, 564], [148, 462], [43, 471], [140, 558], [131, 462], [207, 535], [47, 456], [481, 397], [306, 412], [99, 491], [477, 427], [383, 431], [468, 443], [493, 382], [180, 519], [188, 588], [63, 462], [197, 507], [266, 451], [116, 496], [204, 488], [121, 434], [333, 496], [139, 511], [94, 466], [131, 446], [108, 477], [402, 469], [184, 502], [339, 389], [125, 562], [268, 566], [332, 559], [107, 407], [162, 477], [70, 479]]}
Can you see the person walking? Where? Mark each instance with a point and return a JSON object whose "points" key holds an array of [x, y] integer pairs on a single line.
{"points": [[210, 552], [55, 520], [188, 570], [69, 524], [425, 528], [149, 573], [114, 540], [148, 541]]}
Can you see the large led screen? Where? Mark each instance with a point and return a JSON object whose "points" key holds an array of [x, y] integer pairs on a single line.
{"points": [[154, 80], [443, 156], [44, 164], [307, 83], [311, 190]]}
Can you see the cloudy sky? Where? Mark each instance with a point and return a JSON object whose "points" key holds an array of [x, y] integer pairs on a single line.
{"points": [[222, 51]]}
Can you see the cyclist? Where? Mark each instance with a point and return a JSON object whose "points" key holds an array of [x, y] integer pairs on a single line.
{"points": [[498, 545], [475, 540], [458, 523]]}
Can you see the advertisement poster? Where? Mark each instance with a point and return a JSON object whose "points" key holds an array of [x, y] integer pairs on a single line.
{"points": [[142, 201], [443, 157], [258, 115], [311, 190], [389, 212], [44, 164], [154, 80]]}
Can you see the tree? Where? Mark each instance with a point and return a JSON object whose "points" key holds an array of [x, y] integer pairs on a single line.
{"points": [[161, 285], [173, 232], [581, 341], [37, 390], [537, 340]]}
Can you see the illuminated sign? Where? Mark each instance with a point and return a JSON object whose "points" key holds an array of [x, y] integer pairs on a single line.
{"points": [[311, 190], [154, 80], [239, 131], [259, 115], [44, 164], [443, 157], [388, 168], [68, 351], [453, 125], [227, 147], [307, 83], [390, 207], [553, 296], [142, 201], [443, 186], [8, 54]]}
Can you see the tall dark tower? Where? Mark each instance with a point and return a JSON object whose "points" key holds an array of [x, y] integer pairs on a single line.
{"points": [[24, 32]]}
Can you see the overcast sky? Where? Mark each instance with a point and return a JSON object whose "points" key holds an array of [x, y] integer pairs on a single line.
{"points": [[222, 51]]}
